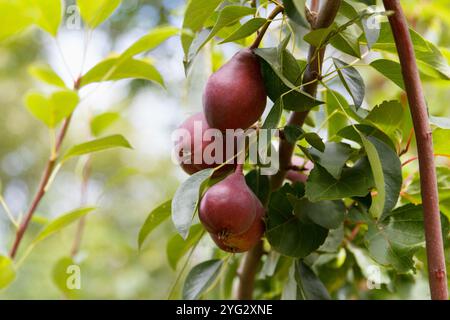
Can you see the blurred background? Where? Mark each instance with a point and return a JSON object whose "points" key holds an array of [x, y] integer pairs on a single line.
{"points": [[126, 185]]}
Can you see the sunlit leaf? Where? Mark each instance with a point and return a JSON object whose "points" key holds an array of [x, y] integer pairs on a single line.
{"points": [[247, 29], [177, 247], [197, 11], [103, 121], [387, 172], [154, 219], [47, 14], [13, 17], [227, 16], [53, 109], [60, 276], [118, 69], [45, 73], [150, 41], [101, 144], [96, 12], [7, 272], [61, 222]]}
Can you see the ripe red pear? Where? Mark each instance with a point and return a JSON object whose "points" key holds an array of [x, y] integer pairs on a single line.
{"points": [[229, 206], [189, 150], [247, 240], [235, 96]]}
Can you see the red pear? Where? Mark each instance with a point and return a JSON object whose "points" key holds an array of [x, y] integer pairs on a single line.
{"points": [[229, 206], [245, 241], [235, 96]]}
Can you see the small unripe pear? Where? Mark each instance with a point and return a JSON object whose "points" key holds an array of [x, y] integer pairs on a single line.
{"points": [[189, 150], [229, 206], [235, 96]]}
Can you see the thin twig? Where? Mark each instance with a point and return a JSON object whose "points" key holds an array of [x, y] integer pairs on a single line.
{"points": [[266, 25], [42, 189]]}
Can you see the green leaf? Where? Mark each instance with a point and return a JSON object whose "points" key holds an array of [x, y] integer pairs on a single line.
{"points": [[365, 263], [259, 184], [177, 247], [61, 222], [197, 11], [247, 29], [103, 121], [393, 240], [443, 181], [350, 133], [328, 214], [441, 137], [60, 277], [388, 117], [317, 37], [96, 12], [315, 141], [427, 54], [293, 133], [356, 181], [273, 118], [47, 14], [186, 199], [150, 41], [282, 75], [295, 10], [337, 119], [334, 157], [227, 16], [200, 278], [371, 33], [391, 70], [309, 286], [101, 144], [154, 219], [387, 172], [7, 272], [334, 240], [347, 42], [14, 18], [352, 81], [117, 69], [52, 110], [289, 233], [45, 73]]}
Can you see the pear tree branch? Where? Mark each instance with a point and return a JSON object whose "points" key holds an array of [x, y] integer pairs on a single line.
{"points": [[424, 139]]}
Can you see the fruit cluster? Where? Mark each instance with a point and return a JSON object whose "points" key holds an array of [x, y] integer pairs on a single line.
{"points": [[234, 98]]}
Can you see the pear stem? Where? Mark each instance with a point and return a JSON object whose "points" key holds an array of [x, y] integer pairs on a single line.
{"points": [[266, 25]]}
